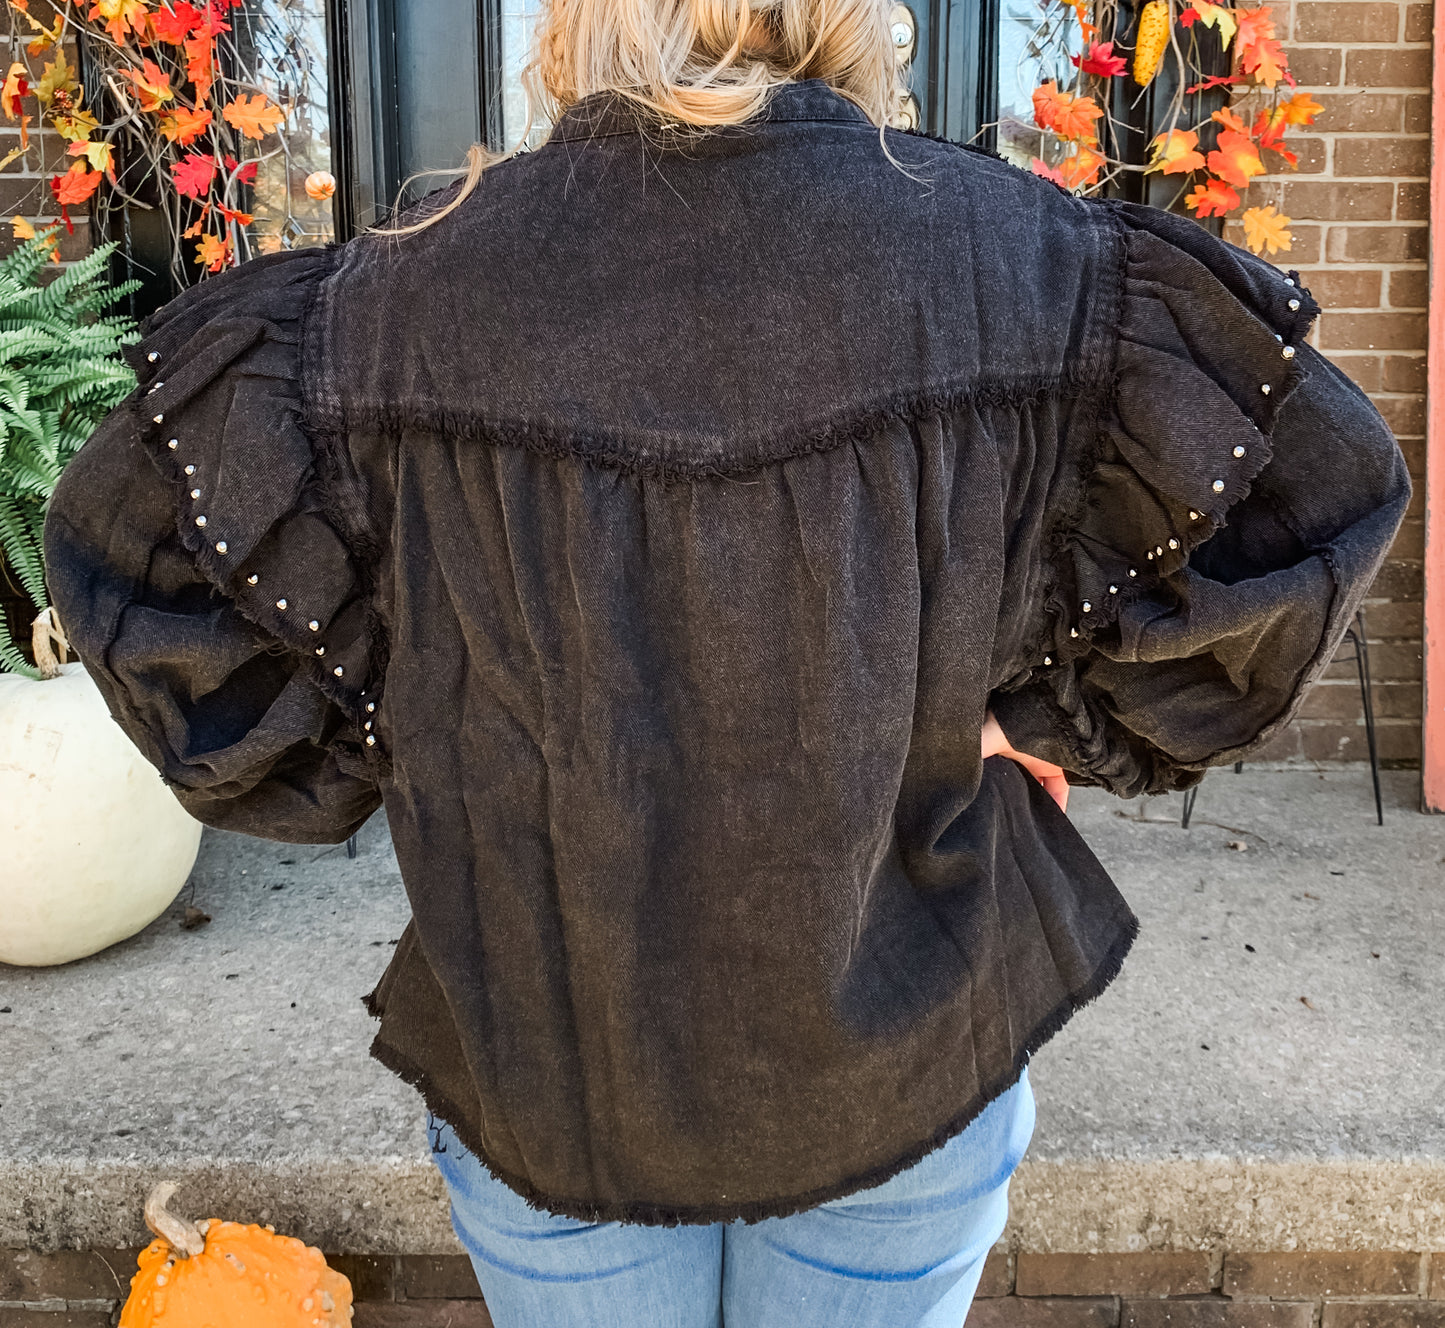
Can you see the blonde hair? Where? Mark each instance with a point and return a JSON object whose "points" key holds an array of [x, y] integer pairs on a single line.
{"points": [[697, 64]]}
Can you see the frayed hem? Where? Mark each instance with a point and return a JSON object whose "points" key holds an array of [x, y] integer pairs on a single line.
{"points": [[647, 1213]]}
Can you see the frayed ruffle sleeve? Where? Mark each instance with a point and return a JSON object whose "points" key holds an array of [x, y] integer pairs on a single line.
{"points": [[1212, 540], [208, 559]]}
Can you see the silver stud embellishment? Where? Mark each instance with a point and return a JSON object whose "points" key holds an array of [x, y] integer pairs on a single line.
{"points": [[1289, 281], [1048, 659], [1087, 607], [314, 625], [370, 741], [153, 356], [190, 470], [1277, 337], [367, 725], [222, 546], [195, 493], [1264, 387], [1293, 305], [157, 418], [252, 579], [1113, 590], [371, 707], [281, 604], [1158, 550], [339, 671], [1174, 544], [1133, 571], [1193, 515], [1218, 486], [1073, 631], [320, 650], [1149, 556], [200, 521], [173, 444], [1288, 352], [1239, 451]]}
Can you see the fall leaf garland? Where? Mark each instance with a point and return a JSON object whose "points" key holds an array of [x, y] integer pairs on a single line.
{"points": [[1216, 171], [184, 121]]}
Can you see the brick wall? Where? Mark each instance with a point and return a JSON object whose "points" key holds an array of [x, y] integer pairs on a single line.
{"points": [[1359, 202], [1190, 1289]]}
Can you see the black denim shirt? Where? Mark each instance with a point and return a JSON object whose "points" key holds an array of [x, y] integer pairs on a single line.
{"points": [[650, 537]]}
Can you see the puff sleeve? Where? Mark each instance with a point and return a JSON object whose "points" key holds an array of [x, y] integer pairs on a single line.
{"points": [[1213, 538], [209, 560]]}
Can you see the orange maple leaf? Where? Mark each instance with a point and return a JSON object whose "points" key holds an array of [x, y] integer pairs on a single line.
{"points": [[1081, 12], [214, 252], [1300, 109], [184, 125], [1175, 153], [23, 230], [1212, 198], [76, 185], [1069, 115], [200, 65], [1235, 159], [230, 214], [16, 87], [1082, 168], [1265, 61], [1230, 120], [1254, 25], [1264, 227], [152, 84], [253, 116], [120, 16]]}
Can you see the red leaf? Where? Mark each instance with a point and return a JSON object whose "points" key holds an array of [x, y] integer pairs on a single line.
{"points": [[175, 24], [1188, 17], [194, 174], [247, 173], [1212, 198], [1100, 59], [76, 185], [1213, 81]]}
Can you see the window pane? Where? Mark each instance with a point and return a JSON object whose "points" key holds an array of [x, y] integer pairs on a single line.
{"points": [[282, 43], [519, 17], [1036, 39]]}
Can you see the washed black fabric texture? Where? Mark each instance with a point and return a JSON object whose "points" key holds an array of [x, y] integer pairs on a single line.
{"points": [[650, 537]]}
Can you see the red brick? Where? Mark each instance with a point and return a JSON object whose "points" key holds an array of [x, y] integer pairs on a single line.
{"points": [[1215, 1312], [1360, 112], [419, 1314], [441, 1277], [1398, 580], [1382, 156], [1027, 1312], [1313, 154], [372, 1276], [1339, 200], [1316, 66], [1398, 743], [1378, 244], [54, 1318], [1409, 288], [66, 1274], [1388, 69], [1400, 662], [1372, 331], [1410, 542], [1404, 373], [1404, 415], [1341, 700], [1437, 1276], [1419, 22], [1112, 1274], [1395, 620], [1344, 288], [997, 1279], [1412, 201], [1417, 114], [1390, 1314], [1348, 22], [1364, 370]]}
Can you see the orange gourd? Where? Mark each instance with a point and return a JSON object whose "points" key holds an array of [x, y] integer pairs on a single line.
{"points": [[229, 1275]]}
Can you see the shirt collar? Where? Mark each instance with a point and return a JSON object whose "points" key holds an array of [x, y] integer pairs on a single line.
{"points": [[601, 114]]}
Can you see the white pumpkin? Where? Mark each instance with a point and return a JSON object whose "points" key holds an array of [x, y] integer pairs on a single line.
{"points": [[95, 846]]}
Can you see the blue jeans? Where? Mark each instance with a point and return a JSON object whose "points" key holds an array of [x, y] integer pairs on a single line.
{"points": [[905, 1254]]}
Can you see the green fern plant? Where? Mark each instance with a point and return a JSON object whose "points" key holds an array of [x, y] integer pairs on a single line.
{"points": [[61, 372]]}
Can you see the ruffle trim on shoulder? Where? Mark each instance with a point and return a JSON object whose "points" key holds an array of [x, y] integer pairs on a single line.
{"points": [[219, 410], [1205, 359]]}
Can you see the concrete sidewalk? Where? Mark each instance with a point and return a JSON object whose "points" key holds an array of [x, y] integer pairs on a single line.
{"points": [[1268, 1072]]}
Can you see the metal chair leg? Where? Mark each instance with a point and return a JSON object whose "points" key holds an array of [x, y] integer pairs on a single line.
{"points": [[1362, 664], [1189, 796], [351, 847]]}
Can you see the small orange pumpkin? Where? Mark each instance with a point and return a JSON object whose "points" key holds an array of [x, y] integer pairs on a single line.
{"points": [[228, 1275]]}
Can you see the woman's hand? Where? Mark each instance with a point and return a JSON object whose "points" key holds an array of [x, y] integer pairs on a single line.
{"points": [[1050, 776]]}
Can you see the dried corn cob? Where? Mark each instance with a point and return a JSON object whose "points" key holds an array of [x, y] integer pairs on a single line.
{"points": [[1153, 37]]}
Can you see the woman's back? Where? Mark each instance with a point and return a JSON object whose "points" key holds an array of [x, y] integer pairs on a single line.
{"points": [[652, 535]]}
